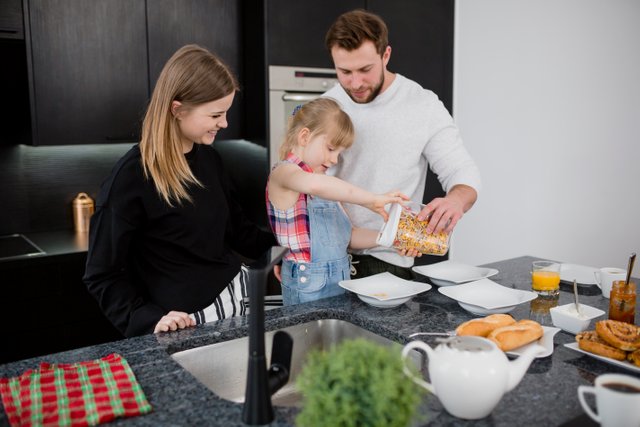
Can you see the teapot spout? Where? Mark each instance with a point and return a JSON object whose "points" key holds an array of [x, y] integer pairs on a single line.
{"points": [[518, 367]]}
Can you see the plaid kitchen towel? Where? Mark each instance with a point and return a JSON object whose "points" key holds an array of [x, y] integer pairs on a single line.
{"points": [[73, 394]]}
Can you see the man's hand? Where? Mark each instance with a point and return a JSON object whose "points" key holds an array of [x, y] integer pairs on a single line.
{"points": [[444, 213]]}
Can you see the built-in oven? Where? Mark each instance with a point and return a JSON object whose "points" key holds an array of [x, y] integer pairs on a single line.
{"points": [[288, 88]]}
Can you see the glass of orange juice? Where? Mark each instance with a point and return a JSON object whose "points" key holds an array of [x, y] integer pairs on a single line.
{"points": [[545, 278]]}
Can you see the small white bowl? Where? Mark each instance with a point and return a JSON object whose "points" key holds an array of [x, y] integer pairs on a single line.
{"points": [[567, 318]]}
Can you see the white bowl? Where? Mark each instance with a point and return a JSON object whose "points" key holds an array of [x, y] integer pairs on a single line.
{"points": [[567, 318], [481, 311], [384, 290], [484, 296]]}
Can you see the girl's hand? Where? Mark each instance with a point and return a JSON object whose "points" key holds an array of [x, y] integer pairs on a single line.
{"points": [[413, 253], [174, 320], [381, 200]]}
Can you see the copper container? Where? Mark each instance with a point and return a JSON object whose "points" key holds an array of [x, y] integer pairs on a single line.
{"points": [[82, 210]]}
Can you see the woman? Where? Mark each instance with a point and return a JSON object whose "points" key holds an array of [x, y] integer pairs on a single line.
{"points": [[163, 237]]}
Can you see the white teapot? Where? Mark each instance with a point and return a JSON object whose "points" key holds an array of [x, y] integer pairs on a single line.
{"points": [[470, 374]]}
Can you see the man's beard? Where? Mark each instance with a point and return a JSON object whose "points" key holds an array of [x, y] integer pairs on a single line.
{"points": [[374, 92]]}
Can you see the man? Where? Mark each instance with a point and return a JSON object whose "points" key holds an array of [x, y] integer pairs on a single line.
{"points": [[401, 130]]}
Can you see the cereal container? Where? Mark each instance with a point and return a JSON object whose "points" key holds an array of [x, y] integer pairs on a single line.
{"points": [[404, 231]]}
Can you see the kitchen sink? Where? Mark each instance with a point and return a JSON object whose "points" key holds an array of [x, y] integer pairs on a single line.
{"points": [[17, 246], [222, 367]]}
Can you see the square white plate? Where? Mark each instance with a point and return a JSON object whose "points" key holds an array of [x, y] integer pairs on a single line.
{"points": [[487, 294], [384, 289], [622, 363], [545, 341], [448, 273], [582, 274]]}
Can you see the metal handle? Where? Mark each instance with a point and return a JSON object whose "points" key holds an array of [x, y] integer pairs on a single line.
{"points": [[299, 97]]}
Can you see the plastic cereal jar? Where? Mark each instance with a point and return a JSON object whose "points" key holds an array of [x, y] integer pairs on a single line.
{"points": [[404, 231]]}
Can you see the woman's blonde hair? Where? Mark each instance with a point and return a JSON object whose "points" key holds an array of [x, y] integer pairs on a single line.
{"points": [[192, 76], [322, 116]]}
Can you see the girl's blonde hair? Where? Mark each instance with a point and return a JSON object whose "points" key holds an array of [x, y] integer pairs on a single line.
{"points": [[192, 76], [322, 116]]}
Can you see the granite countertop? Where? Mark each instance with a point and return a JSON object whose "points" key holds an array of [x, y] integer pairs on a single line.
{"points": [[547, 395]]}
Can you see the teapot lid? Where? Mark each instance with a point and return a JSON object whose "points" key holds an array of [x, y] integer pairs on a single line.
{"points": [[468, 343]]}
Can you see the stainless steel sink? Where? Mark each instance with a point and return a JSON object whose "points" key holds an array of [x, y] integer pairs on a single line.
{"points": [[222, 367]]}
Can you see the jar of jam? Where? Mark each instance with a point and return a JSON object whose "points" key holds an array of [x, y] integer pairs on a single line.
{"points": [[622, 303]]}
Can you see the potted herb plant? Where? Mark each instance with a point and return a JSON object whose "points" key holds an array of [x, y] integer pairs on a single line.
{"points": [[357, 383]]}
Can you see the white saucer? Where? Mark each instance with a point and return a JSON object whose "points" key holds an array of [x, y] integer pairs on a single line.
{"points": [[582, 274], [448, 273]]}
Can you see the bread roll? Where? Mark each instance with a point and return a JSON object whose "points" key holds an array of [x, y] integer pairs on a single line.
{"points": [[483, 326], [590, 341], [516, 335]]}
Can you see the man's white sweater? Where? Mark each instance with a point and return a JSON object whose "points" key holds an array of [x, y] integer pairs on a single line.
{"points": [[398, 135]]}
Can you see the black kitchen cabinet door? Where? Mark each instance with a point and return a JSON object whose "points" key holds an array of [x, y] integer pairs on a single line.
{"points": [[88, 70], [212, 24], [421, 40], [296, 29], [11, 25]]}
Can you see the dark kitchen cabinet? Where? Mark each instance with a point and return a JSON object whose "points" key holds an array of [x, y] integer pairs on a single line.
{"points": [[295, 30], [213, 24], [52, 308], [421, 40], [94, 63], [11, 24], [88, 70]]}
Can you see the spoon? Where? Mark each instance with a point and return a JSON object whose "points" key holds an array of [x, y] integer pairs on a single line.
{"points": [[632, 260], [441, 334], [575, 296]]}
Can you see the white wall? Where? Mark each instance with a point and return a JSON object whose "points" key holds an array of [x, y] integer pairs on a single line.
{"points": [[547, 98]]}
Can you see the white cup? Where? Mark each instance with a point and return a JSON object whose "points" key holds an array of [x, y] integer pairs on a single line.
{"points": [[606, 276], [617, 400]]}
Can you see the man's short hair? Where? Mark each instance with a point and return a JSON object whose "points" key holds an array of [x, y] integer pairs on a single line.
{"points": [[351, 29]]}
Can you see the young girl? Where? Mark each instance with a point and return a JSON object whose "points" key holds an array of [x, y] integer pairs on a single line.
{"points": [[163, 239], [303, 208]]}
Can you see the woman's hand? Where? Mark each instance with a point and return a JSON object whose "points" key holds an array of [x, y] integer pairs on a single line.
{"points": [[381, 200], [174, 320]]}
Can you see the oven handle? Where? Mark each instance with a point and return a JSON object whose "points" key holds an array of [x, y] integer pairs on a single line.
{"points": [[300, 97]]}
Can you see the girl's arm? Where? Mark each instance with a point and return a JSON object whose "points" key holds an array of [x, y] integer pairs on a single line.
{"points": [[364, 238], [290, 178]]}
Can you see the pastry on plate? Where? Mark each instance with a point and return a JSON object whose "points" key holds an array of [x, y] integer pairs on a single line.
{"points": [[621, 335], [590, 341]]}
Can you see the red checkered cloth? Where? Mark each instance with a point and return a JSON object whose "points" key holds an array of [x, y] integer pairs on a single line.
{"points": [[73, 394]]}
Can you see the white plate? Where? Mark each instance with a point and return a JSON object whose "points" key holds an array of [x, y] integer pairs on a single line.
{"points": [[545, 341], [448, 273], [622, 363], [488, 295], [582, 274], [384, 289]]}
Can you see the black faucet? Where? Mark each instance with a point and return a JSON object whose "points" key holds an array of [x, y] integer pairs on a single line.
{"points": [[262, 383]]}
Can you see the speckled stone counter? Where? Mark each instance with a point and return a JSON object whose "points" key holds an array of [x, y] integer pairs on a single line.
{"points": [[545, 396]]}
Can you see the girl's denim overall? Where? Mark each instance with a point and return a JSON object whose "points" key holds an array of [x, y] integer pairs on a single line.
{"points": [[330, 233]]}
